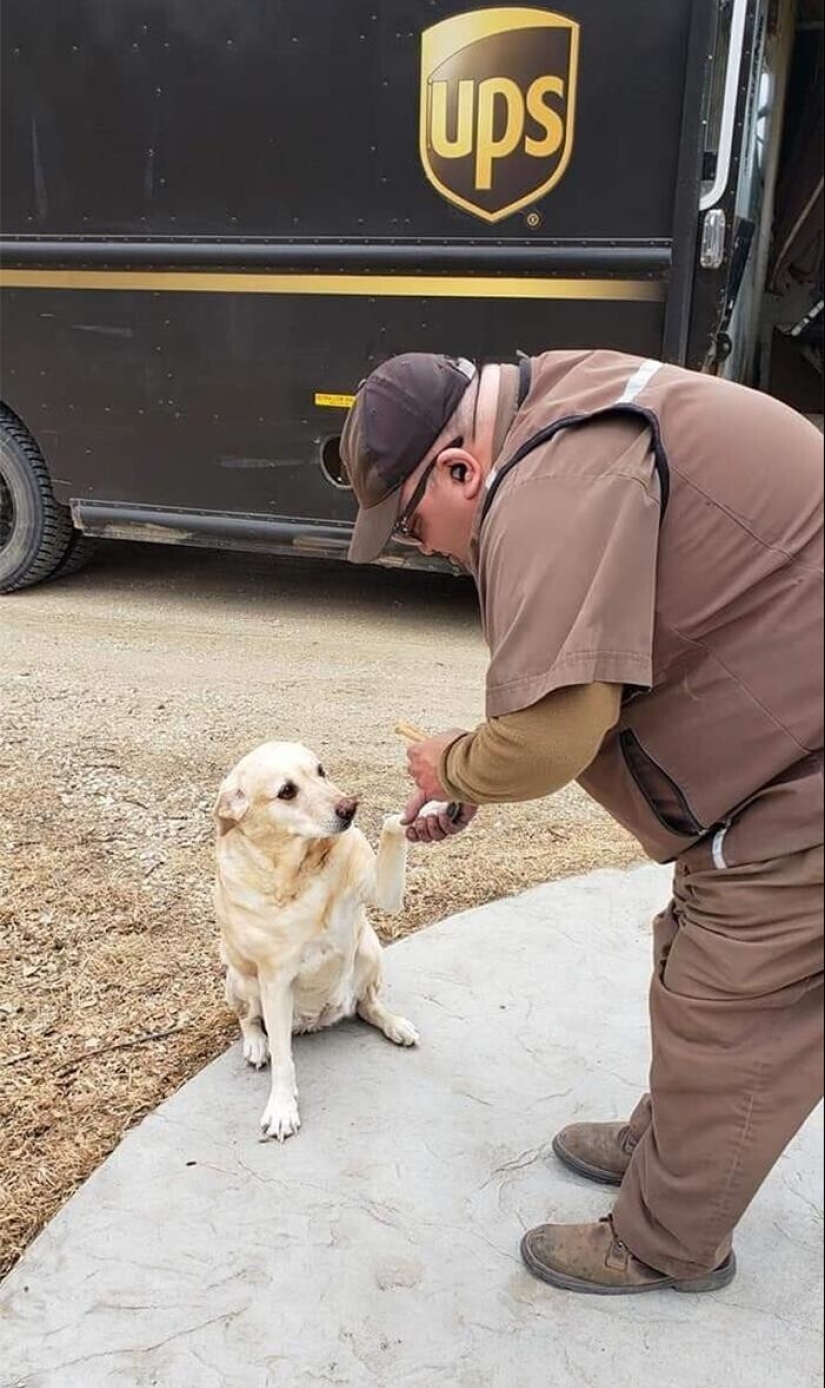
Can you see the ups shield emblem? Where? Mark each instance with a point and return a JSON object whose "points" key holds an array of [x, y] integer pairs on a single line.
{"points": [[498, 105]]}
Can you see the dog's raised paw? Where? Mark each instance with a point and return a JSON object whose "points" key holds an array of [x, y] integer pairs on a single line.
{"points": [[393, 824], [256, 1050], [280, 1119]]}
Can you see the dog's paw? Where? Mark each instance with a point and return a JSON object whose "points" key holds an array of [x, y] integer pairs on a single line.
{"points": [[280, 1119], [256, 1050], [394, 825], [401, 1032]]}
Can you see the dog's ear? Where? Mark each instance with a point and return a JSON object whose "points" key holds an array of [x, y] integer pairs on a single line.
{"points": [[230, 806]]}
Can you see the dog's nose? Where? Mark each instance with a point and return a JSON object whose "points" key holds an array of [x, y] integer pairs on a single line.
{"points": [[346, 810]]}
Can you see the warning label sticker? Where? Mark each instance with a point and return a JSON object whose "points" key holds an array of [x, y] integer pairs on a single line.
{"points": [[333, 402]]}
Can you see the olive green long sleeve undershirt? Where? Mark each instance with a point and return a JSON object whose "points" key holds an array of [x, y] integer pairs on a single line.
{"points": [[534, 752]]}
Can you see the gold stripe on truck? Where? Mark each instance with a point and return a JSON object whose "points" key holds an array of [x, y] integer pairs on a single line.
{"points": [[384, 286]]}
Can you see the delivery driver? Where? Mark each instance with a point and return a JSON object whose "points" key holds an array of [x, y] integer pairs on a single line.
{"points": [[647, 547]]}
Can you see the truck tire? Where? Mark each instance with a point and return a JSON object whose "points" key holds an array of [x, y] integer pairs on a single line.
{"points": [[81, 549], [35, 531]]}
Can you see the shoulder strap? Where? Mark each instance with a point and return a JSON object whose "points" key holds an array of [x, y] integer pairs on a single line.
{"points": [[525, 378], [496, 478]]}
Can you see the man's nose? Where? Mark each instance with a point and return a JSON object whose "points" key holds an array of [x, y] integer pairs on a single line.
{"points": [[346, 809]]}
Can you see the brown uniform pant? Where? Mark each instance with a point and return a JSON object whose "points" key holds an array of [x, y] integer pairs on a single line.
{"points": [[736, 1015]]}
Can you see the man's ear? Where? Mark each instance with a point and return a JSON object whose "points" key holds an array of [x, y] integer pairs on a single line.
{"points": [[463, 468], [230, 806]]}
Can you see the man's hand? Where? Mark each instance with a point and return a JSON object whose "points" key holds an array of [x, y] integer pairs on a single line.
{"points": [[437, 825], [424, 762]]}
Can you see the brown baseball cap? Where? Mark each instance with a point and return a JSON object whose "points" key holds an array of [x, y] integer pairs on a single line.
{"points": [[399, 412]]}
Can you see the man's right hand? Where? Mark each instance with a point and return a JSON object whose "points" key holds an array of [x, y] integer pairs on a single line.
{"points": [[436, 824]]}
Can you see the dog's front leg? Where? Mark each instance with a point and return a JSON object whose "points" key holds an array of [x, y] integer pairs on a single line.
{"points": [[388, 878], [280, 1118]]}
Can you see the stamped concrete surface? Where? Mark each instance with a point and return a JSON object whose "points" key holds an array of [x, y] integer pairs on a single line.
{"points": [[380, 1246]]}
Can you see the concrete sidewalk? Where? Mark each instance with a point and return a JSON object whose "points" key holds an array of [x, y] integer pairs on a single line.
{"points": [[380, 1246]]}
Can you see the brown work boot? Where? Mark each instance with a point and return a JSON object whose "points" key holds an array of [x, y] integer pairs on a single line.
{"points": [[599, 1151], [590, 1258]]}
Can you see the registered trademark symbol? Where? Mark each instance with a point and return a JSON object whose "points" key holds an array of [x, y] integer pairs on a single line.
{"points": [[533, 220]]}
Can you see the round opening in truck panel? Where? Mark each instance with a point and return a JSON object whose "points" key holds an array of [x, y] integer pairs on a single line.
{"points": [[331, 464]]}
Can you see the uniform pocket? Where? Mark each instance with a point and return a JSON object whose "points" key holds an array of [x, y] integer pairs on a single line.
{"points": [[663, 794]]}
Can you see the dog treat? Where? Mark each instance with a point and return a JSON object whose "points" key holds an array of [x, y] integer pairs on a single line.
{"points": [[409, 733]]}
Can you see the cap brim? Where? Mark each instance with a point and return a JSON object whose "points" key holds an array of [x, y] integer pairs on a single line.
{"points": [[373, 529]]}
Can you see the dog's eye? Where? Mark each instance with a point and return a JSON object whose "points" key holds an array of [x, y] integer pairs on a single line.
{"points": [[322, 773], [288, 792]]}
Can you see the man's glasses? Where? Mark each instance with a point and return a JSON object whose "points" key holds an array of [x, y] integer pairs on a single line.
{"points": [[402, 530]]}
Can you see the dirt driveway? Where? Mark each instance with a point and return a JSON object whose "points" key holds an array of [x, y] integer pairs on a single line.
{"points": [[126, 693]]}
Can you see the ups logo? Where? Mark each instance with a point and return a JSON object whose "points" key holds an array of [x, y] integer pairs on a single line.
{"points": [[498, 104]]}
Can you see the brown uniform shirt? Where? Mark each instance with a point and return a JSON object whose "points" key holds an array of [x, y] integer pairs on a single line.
{"points": [[666, 537]]}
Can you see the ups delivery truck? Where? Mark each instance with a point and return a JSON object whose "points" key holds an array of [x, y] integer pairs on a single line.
{"points": [[218, 217]]}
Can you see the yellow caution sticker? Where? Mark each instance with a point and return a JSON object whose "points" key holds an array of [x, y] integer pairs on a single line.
{"points": [[334, 402]]}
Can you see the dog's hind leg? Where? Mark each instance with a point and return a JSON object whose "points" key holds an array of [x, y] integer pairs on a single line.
{"points": [[367, 983], [243, 996]]}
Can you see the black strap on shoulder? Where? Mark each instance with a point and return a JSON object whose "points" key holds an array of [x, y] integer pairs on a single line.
{"points": [[525, 377], [574, 422]]}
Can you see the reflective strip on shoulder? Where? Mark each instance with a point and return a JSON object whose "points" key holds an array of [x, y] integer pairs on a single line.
{"points": [[639, 380]]}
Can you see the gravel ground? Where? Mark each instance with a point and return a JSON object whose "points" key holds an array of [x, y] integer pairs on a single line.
{"points": [[127, 692]]}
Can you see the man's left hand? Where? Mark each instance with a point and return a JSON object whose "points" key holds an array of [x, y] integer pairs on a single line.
{"points": [[424, 762]]}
